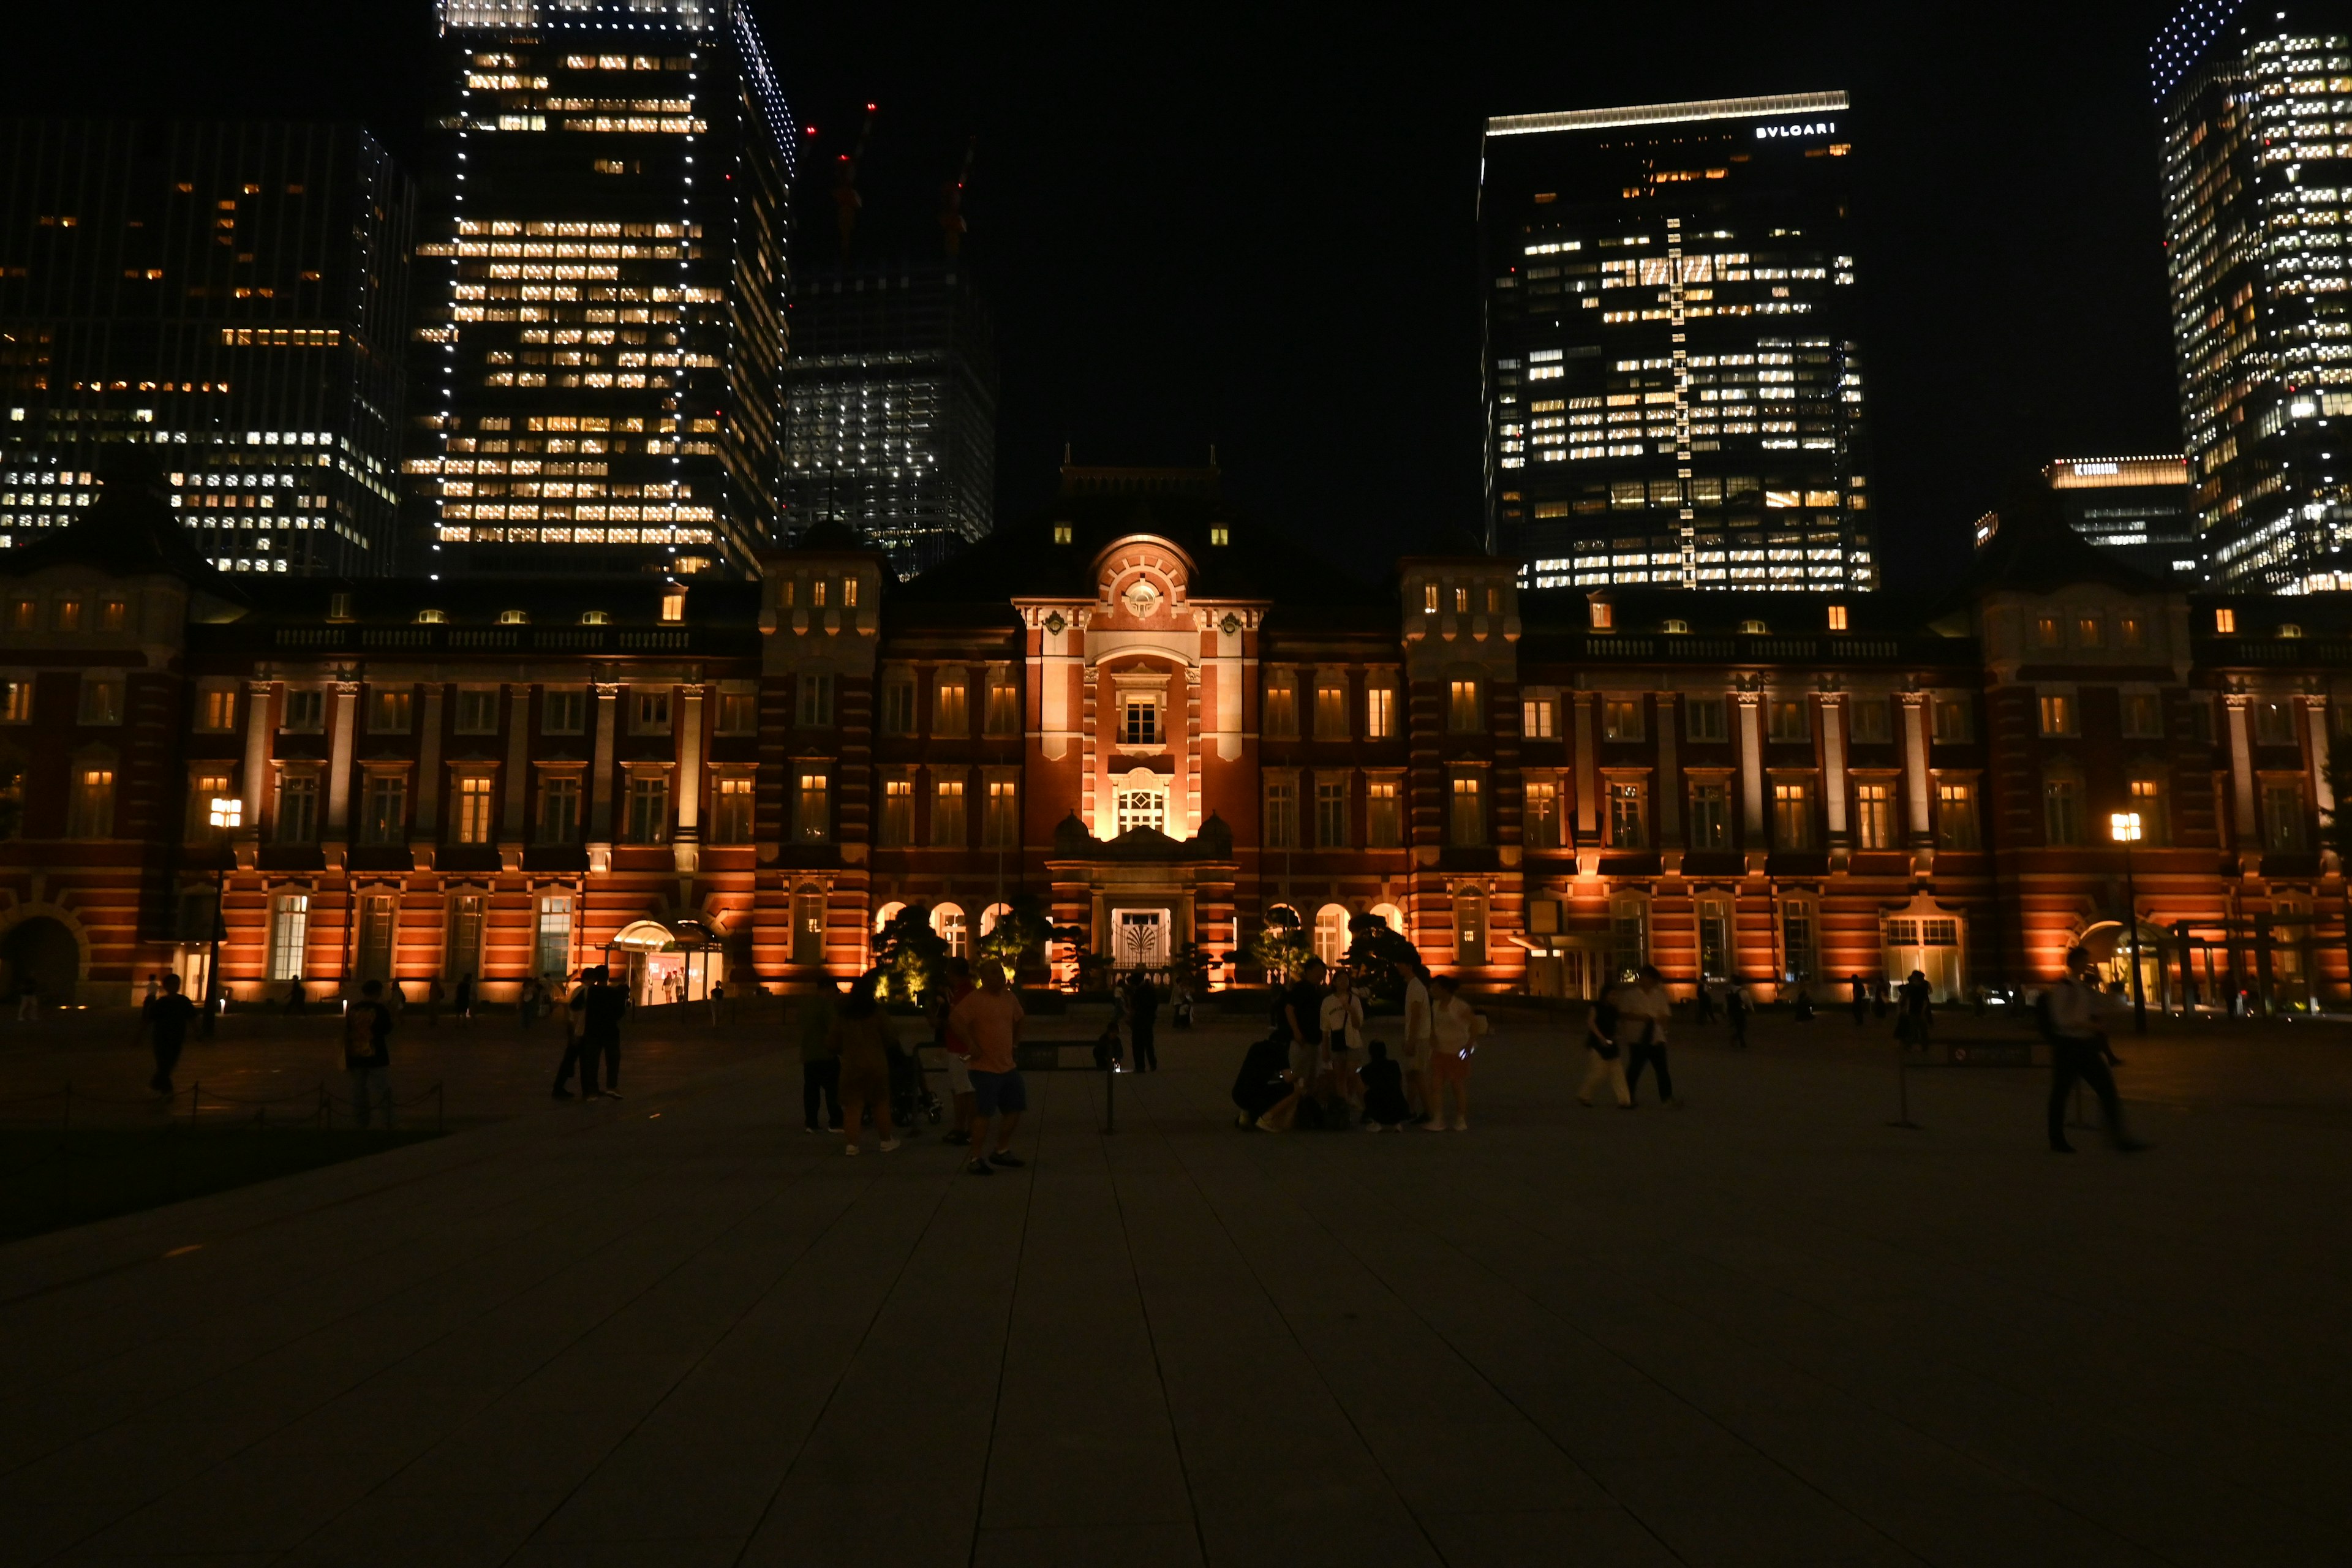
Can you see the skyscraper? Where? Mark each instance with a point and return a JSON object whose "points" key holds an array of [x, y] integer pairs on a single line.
{"points": [[605, 315], [2139, 507], [1673, 387], [2257, 108], [891, 418], [232, 295]]}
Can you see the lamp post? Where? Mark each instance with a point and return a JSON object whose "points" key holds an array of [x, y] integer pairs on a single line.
{"points": [[226, 814], [2125, 827]]}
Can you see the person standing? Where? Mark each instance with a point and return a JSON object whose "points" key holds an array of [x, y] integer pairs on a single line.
{"points": [[861, 1039], [1915, 1014], [820, 1061], [1142, 1023], [1644, 1010], [1738, 1009], [575, 1018], [1418, 1040], [1384, 1104], [957, 1048], [990, 1021], [527, 1001], [1341, 1020], [1302, 1019], [367, 1054], [1455, 1027], [167, 1022], [1179, 1003], [1605, 1062], [154, 989], [600, 1003], [463, 1007], [1860, 999], [297, 998], [2073, 1015]]}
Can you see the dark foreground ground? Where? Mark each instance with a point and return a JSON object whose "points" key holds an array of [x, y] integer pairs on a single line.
{"points": [[1765, 1328]]}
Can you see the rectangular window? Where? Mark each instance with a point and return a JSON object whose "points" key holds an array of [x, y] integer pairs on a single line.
{"points": [[1000, 824], [2046, 632], [1873, 816], [1543, 815], [2201, 719], [1143, 807], [1139, 720], [1379, 712], [1956, 816], [68, 614], [1331, 709], [1629, 935], [1710, 827], [1871, 722], [1331, 815], [1953, 722], [113, 614], [1703, 719], [1384, 819], [477, 710], [383, 813], [739, 713], [950, 714], [898, 708], [815, 709], [1536, 719], [204, 788], [289, 933], [1796, 927], [473, 813], [297, 808], [1793, 815], [948, 827], [730, 809], [650, 713], [2143, 715], [2057, 714], [559, 809], [2133, 632], [2283, 818], [1714, 939], [216, 709], [2273, 723], [90, 812], [1461, 715], [2090, 631], [1281, 814], [562, 713], [306, 710], [102, 700], [1621, 719], [1469, 816], [467, 911], [2061, 811], [2148, 799], [812, 806], [897, 824], [647, 820], [1281, 705], [1789, 719], [389, 712], [551, 954], [1003, 717]]}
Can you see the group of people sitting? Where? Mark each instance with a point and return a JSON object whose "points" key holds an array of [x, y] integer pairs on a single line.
{"points": [[1318, 1067]]}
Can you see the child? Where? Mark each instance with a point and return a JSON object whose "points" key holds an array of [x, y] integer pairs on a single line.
{"points": [[1385, 1109]]}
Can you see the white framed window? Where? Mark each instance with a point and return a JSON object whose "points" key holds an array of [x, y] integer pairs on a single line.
{"points": [[289, 934], [477, 710]]}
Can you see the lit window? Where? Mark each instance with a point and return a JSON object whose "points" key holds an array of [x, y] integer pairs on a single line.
{"points": [[1837, 618], [2225, 622], [218, 708], [2057, 715], [1536, 719], [1542, 814], [1621, 719], [1220, 535], [1141, 723], [1061, 534], [1628, 817], [1379, 712], [648, 821], [1604, 616], [1383, 816], [1462, 706], [1956, 816], [812, 808], [951, 713], [1469, 816], [672, 605], [90, 811], [474, 811], [731, 810], [1873, 816], [389, 712], [999, 822]]}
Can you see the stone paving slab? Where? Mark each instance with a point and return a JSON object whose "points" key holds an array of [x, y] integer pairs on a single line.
{"points": [[1764, 1328]]}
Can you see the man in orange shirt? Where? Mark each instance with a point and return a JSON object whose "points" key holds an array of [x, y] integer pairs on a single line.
{"points": [[988, 1022]]}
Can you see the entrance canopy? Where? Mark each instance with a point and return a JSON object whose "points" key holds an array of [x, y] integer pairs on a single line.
{"points": [[666, 933]]}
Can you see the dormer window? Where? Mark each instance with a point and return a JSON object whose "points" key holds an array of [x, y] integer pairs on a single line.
{"points": [[2290, 630], [2225, 622], [1061, 534], [673, 606], [1678, 628], [431, 617], [339, 606], [594, 617], [1837, 618], [1604, 616], [514, 618], [1751, 629], [1221, 535]]}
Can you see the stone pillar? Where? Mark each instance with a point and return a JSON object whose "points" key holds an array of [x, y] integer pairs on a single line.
{"points": [[339, 774], [1750, 705], [2314, 713], [685, 843], [600, 780], [1670, 779], [1833, 775], [1920, 813], [2241, 771], [257, 695], [428, 782]]}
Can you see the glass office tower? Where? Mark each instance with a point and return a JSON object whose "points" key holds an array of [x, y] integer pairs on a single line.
{"points": [[602, 334], [891, 418], [231, 296], [2257, 108], [2139, 507], [1674, 384]]}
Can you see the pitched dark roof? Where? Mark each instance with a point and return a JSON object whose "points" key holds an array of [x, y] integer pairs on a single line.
{"points": [[2036, 551], [129, 532]]}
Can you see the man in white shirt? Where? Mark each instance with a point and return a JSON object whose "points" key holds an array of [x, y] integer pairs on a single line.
{"points": [[2076, 1015], [1418, 1040], [1644, 1010]]}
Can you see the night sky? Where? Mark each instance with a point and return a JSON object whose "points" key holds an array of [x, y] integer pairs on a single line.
{"points": [[1205, 224]]}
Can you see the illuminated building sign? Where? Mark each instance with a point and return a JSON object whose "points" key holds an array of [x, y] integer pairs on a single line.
{"points": [[1810, 128]]}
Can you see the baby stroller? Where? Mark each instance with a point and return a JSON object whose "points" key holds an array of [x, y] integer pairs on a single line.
{"points": [[911, 1091]]}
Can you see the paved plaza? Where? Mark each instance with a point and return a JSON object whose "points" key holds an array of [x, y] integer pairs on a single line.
{"points": [[1764, 1328]]}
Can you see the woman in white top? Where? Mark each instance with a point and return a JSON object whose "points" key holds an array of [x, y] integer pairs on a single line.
{"points": [[1455, 1026], [1343, 1036]]}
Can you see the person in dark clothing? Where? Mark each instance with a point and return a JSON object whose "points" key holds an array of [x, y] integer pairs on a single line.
{"points": [[574, 1017], [464, 1007], [1142, 1019], [1861, 998], [1914, 1016], [1264, 1081], [367, 1054], [1736, 1008], [1385, 1107], [296, 997], [602, 1004], [1302, 1023], [167, 1020]]}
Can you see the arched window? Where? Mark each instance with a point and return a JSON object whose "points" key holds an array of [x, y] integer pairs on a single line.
{"points": [[990, 915], [1394, 915], [949, 921], [885, 915], [1332, 933]]}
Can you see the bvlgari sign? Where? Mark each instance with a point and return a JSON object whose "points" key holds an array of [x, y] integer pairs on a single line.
{"points": [[1801, 128]]}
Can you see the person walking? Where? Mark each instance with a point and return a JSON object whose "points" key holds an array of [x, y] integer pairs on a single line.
{"points": [[1604, 1058], [1860, 999], [990, 1021], [2074, 1019], [367, 1054], [1913, 1014], [820, 1060], [166, 1020], [575, 1018], [1341, 1019], [1419, 1043], [154, 989], [1644, 1011], [1705, 1001], [1180, 1003], [527, 1001], [1142, 1023], [601, 1003], [862, 1037], [1739, 1010], [1455, 1027], [957, 1051]]}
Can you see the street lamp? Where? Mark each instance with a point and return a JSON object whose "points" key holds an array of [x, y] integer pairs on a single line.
{"points": [[227, 814], [2125, 827]]}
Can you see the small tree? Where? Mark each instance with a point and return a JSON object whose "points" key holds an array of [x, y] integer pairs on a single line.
{"points": [[911, 956], [1091, 966], [2335, 826], [1281, 947], [1021, 931], [1377, 956], [1192, 965]]}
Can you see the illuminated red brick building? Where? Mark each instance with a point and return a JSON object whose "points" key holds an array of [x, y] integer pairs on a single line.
{"points": [[1164, 722]]}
